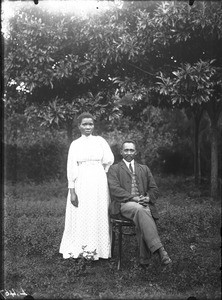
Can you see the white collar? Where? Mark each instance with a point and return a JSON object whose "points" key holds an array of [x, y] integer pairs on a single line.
{"points": [[127, 163]]}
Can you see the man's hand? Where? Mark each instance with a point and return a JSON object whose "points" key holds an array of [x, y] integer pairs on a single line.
{"points": [[136, 199], [143, 200], [74, 198]]}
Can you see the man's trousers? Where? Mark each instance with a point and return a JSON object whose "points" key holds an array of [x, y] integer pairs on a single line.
{"points": [[146, 230]]}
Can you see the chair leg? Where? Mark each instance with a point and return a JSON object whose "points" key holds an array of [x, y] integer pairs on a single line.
{"points": [[113, 241], [120, 246]]}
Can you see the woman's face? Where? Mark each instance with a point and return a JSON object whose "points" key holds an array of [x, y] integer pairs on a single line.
{"points": [[86, 127]]}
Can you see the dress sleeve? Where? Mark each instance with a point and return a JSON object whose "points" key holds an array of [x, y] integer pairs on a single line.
{"points": [[72, 167], [108, 157]]}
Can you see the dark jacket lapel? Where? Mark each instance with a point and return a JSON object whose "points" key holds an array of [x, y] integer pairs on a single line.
{"points": [[124, 166]]}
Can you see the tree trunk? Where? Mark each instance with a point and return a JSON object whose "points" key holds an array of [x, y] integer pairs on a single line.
{"points": [[214, 108], [198, 162], [214, 159], [196, 152], [197, 114], [15, 157]]}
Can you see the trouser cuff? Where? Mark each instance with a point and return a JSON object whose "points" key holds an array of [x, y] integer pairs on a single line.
{"points": [[155, 246]]}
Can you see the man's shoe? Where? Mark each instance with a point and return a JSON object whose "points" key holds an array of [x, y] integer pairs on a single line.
{"points": [[164, 257], [166, 260]]}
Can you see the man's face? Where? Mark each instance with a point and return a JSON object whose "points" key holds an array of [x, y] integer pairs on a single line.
{"points": [[86, 127], [128, 151]]}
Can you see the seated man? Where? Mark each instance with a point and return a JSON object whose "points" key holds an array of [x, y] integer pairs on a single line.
{"points": [[133, 194]]}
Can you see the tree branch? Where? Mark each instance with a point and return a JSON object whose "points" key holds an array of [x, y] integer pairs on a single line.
{"points": [[141, 69]]}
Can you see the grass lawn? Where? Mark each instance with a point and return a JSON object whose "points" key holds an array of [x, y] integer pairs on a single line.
{"points": [[189, 228]]}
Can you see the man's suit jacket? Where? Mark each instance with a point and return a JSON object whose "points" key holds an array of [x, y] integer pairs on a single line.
{"points": [[120, 182]]}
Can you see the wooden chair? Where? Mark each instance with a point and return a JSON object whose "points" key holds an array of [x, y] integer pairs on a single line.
{"points": [[117, 226]]}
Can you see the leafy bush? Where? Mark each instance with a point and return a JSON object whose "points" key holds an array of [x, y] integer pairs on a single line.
{"points": [[164, 139], [37, 162], [32, 152]]}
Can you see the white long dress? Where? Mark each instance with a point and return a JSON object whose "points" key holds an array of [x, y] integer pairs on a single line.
{"points": [[88, 224]]}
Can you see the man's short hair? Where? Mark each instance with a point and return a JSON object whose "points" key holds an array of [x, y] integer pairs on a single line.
{"points": [[129, 141], [83, 116]]}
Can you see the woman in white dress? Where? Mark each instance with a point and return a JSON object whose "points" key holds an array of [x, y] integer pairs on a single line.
{"points": [[87, 219]]}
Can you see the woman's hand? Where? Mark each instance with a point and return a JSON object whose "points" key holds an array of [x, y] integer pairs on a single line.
{"points": [[74, 198]]}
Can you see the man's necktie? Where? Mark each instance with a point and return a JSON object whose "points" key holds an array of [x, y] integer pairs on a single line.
{"points": [[131, 169]]}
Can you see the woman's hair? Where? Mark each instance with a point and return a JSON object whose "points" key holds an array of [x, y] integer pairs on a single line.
{"points": [[83, 116]]}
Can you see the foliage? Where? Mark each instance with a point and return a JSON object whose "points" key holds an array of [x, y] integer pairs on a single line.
{"points": [[162, 136], [36, 162], [198, 85], [51, 32], [21, 131], [38, 153], [83, 54], [58, 113], [191, 84], [173, 37], [65, 74], [189, 228], [116, 56], [179, 33]]}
